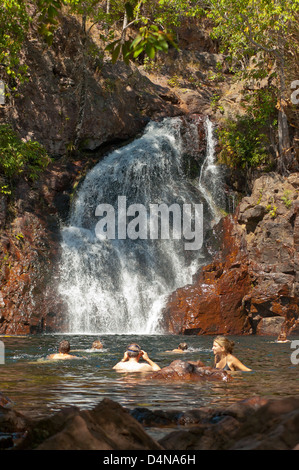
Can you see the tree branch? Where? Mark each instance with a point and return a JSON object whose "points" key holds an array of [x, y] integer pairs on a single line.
{"points": [[255, 43]]}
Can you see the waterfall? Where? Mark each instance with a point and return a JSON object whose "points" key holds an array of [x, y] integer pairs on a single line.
{"points": [[119, 285], [210, 179]]}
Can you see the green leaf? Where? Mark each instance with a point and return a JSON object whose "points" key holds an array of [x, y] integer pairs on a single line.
{"points": [[150, 51], [138, 51]]}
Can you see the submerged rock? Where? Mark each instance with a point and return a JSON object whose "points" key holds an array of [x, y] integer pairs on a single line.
{"points": [[181, 370]]}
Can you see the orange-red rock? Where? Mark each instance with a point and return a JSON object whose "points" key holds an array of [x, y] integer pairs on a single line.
{"points": [[255, 274]]}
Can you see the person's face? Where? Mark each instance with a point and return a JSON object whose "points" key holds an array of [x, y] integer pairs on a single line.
{"points": [[217, 349]]}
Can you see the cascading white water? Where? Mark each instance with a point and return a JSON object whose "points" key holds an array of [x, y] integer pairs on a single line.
{"points": [[120, 285], [210, 178]]}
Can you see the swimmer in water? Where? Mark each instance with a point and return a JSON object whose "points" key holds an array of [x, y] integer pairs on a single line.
{"points": [[224, 360], [182, 347], [282, 338], [130, 361], [63, 352], [96, 345]]}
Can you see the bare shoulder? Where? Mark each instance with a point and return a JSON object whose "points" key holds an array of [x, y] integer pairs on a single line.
{"points": [[235, 363]]}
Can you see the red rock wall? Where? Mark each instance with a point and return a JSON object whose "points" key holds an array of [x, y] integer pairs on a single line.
{"points": [[252, 285]]}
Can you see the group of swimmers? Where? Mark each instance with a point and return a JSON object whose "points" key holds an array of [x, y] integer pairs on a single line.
{"points": [[222, 349]]}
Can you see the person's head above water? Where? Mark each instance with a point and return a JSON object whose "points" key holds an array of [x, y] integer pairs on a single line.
{"points": [[130, 361], [97, 344], [64, 347], [225, 344], [134, 350], [224, 359], [183, 346]]}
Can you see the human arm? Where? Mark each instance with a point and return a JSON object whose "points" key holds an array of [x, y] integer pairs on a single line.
{"points": [[235, 364], [153, 365], [119, 365], [126, 357]]}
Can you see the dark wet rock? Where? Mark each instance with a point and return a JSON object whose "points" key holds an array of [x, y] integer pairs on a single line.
{"points": [[254, 424], [171, 418], [251, 424], [107, 427], [182, 370], [13, 425]]}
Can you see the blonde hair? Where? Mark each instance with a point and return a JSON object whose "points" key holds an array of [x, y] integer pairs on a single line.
{"points": [[225, 343]]}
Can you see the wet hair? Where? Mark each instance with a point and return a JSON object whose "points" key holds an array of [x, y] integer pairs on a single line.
{"points": [[183, 346], [64, 347], [97, 344], [133, 350], [227, 344]]}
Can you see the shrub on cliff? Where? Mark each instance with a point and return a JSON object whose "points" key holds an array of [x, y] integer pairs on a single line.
{"points": [[245, 140], [19, 158]]}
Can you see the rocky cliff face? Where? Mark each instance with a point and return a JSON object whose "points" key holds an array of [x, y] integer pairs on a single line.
{"points": [[73, 98], [252, 284], [30, 250]]}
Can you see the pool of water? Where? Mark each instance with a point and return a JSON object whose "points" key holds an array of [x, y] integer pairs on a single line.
{"points": [[39, 388]]}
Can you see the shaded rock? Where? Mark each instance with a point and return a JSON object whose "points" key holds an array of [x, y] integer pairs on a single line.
{"points": [[73, 98], [270, 326], [252, 216], [107, 427], [13, 425], [249, 425], [30, 250], [171, 418], [181, 370], [254, 423]]}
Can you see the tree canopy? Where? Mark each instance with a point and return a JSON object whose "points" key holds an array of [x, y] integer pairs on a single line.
{"points": [[261, 31]]}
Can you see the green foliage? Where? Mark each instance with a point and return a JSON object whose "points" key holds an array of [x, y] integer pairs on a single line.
{"points": [[246, 26], [242, 144], [174, 81], [271, 208], [150, 65], [263, 29], [48, 11], [170, 13], [18, 157], [14, 24], [286, 199], [149, 41], [244, 141], [150, 22]]}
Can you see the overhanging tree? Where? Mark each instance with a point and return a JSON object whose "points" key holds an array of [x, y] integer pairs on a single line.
{"points": [[246, 27]]}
